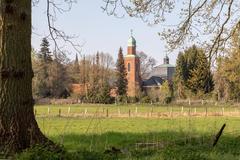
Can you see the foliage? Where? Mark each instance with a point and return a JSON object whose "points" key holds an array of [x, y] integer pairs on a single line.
{"points": [[51, 77], [201, 79], [95, 71], [193, 73], [180, 76], [228, 72], [165, 93], [43, 153], [74, 71], [39, 152], [122, 98], [121, 82], [45, 55], [58, 79], [44, 58], [145, 99], [104, 95]]}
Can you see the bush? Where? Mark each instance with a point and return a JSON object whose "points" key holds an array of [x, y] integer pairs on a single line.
{"points": [[39, 153], [145, 99], [132, 99], [42, 153], [168, 100], [123, 99]]}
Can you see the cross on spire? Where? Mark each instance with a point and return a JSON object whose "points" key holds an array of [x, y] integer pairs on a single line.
{"points": [[131, 32]]}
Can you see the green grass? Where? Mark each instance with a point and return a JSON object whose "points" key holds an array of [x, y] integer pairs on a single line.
{"points": [[124, 109], [179, 138]]}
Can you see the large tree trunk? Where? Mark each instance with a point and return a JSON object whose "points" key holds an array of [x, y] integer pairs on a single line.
{"points": [[18, 127]]}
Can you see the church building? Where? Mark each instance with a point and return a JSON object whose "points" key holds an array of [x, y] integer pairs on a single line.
{"points": [[132, 65], [158, 75]]}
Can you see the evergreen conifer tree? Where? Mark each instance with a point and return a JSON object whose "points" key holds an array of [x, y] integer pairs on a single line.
{"points": [[76, 71], [45, 54], [121, 82], [45, 60], [200, 77], [76, 65], [180, 75], [58, 79], [193, 72], [105, 96]]}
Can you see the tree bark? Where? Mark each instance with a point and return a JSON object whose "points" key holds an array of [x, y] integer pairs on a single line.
{"points": [[18, 126]]}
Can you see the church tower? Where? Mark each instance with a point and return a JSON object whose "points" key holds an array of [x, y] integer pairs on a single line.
{"points": [[132, 65]]}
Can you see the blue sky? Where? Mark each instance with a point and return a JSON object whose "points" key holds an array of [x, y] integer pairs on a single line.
{"points": [[101, 32]]}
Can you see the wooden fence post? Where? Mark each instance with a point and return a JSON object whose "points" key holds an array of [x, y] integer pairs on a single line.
{"points": [[69, 110], [48, 110], [182, 110], [189, 102], [206, 112], [119, 112], [195, 110], [129, 113], [107, 113], [85, 112], [136, 110], [59, 112], [222, 111], [151, 111], [171, 112]]}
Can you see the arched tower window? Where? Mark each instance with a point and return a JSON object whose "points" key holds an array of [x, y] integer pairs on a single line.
{"points": [[129, 67]]}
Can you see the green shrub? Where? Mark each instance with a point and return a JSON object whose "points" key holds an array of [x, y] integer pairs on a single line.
{"points": [[167, 100], [42, 153], [39, 153], [132, 99], [145, 99]]}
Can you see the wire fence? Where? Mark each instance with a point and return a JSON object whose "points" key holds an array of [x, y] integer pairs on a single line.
{"points": [[133, 112]]}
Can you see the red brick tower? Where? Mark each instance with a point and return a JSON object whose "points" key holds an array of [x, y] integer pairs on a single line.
{"points": [[132, 65]]}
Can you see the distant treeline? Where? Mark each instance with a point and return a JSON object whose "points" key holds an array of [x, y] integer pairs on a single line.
{"points": [[104, 81]]}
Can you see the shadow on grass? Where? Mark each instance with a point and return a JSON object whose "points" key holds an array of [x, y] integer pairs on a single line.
{"points": [[154, 145]]}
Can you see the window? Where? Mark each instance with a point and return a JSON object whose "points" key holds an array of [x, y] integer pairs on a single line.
{"points": [[128, 67]]}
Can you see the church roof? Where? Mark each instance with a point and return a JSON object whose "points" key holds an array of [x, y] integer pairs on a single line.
{"points": [[164, 65], [131, 41], [164, 70], [153, 81]]}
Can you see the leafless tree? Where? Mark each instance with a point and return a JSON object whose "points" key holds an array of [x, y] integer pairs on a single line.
{"points": [[146, 64]]}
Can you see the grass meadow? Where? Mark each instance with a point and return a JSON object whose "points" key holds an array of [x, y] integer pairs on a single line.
{"points": [[182, 137]]}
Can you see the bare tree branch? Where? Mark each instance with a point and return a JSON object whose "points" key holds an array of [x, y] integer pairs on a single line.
{"points": [[55, 34], [210, 23]]}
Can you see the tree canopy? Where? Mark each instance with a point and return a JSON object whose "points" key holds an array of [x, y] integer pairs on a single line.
{"points": [[121, 82], [193, 72]]}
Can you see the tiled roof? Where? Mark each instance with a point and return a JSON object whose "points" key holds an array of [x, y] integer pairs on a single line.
{"points": [[163, 70], [153, 81], [164, 65]]}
